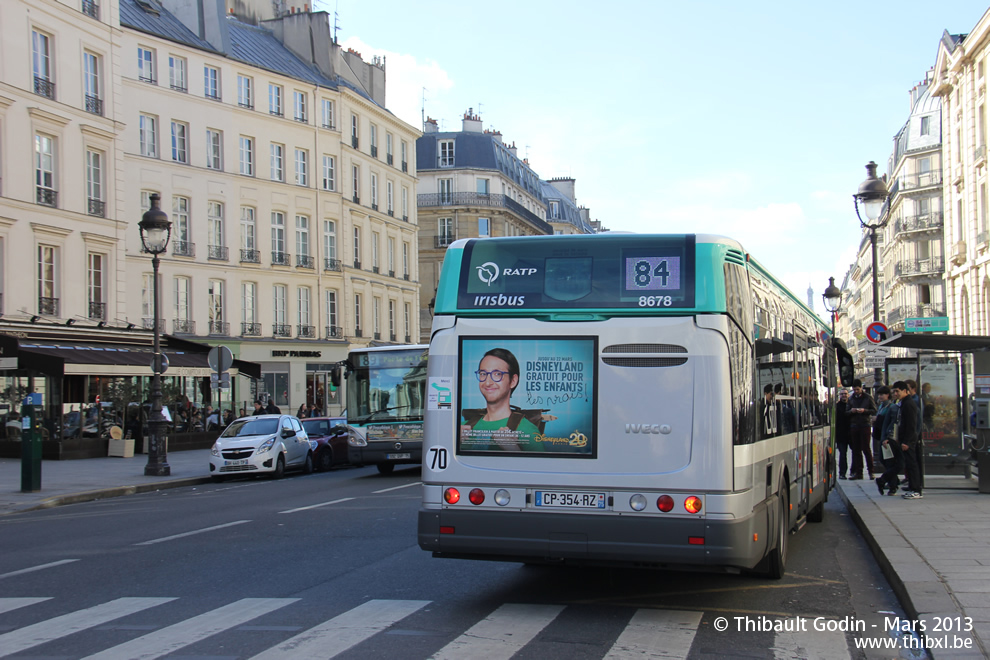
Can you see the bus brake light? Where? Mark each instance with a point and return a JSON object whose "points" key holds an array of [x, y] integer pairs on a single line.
{"points": [[665, 503], [477, 496], [451, 496], [692, 504]]}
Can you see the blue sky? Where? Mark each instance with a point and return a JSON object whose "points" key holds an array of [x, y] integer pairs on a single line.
{"points": [[750, 120]]}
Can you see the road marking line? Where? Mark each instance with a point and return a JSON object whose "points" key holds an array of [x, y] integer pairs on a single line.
{"points": [[172, 638], [657, 634], [344, 631], [197, 531], [385, 490], [37, 568], [317, 506], [10, 604], [824, 644], [67, 624], [501, 634]]}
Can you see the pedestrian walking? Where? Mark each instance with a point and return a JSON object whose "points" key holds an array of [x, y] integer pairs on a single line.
{"points": [[890, 449], [907, 438]]}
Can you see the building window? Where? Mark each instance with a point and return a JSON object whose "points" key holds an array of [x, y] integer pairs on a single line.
{"points": [[329, 173], [375, 240], [277, 162], [48, 280], [249, 304], [278, 237], [926, 125], [94, 183], [374, 141], [406, 314], [281, 307], [44, 170], [330, 239], [41, 47], [181, 234], [377, 316], [303, 307], [245, 92], [391, 320], [182, 291], [180, 151], [356, 183], [248, 229], [302, 167], [146, 65], [331, 313], [216, 315], [302, 236], [555, 210], [388, 148], [214, 149], [405, 260], [391, 256], [357, 247], [211, 82], [95, 277], [275, 100], [445, 231], [405, 203], [328, 114], [214, 216], [389, 198], [405, 160], [148, 135], [446, 153], [354, 131], [147, 301], [484, 227], [91, 83], [374, 191], [483, 186], [177, 73], [357, 314], [299, 106], [246, 148]]}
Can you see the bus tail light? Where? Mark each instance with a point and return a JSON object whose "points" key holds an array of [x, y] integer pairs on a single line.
{"points": [[665, 503], [696, 540], [692, 504], [446, 529], [476, 496], [637, 502], [451, 496], [502, 497]]}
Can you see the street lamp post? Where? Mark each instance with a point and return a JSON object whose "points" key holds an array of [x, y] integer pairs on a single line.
{"points": [[156, 229], [872, 197], [833, 300]]}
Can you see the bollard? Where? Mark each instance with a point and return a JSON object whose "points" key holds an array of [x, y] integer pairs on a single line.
{"points": [[30, 445]]}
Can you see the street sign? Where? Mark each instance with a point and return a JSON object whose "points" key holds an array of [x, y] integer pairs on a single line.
{"points": [[927, 324], [164, 363], [874, 356], [876, 332], [220, 358], [220, 380]]}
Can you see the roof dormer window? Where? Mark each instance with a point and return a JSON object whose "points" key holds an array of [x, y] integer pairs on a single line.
{"points": [[446, 153]]}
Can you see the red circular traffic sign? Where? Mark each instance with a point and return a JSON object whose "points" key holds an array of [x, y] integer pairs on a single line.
{"points": [[876, 332]]}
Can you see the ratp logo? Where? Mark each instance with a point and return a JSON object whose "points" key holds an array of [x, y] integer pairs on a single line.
{"points": [[488, 272]]}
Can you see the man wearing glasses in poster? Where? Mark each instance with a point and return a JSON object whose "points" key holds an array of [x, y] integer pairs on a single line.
{"points": [[498, 376]]}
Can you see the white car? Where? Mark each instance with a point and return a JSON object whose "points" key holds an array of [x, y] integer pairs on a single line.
{"points": [[261, 444]]}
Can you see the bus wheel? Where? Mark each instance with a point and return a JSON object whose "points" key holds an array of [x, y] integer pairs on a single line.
{"points": [[778, 556], [386, 468]]}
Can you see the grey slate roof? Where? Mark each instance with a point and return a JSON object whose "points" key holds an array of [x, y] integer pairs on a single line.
{"points": [[259, 47], [163, 25], [568, 211], [477, 151]]}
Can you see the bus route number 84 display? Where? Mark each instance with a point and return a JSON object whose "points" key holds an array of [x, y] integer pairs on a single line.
{"points": [[647, 273]]}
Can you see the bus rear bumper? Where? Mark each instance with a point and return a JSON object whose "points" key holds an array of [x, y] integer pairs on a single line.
{"points": [[543, 537]]}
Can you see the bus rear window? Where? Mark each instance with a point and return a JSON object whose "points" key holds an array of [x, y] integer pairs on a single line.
{"points": [[599, 272]]}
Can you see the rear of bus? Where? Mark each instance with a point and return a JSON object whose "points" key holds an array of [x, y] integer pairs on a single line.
{"points": [[619, 447]]}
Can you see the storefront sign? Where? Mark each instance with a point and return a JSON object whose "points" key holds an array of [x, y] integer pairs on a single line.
{"points": [[302, 354], [927, 324]]}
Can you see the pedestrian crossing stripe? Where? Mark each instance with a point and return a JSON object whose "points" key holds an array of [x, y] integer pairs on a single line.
{"points": [[649, 633]]}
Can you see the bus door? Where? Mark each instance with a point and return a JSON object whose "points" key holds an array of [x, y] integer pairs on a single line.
{"points": [[804, 416]]}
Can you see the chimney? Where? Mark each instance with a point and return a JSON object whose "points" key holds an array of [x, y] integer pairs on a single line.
{"points": [[430, 126], [471, 122], [512, 149], [498, 136], [566, 186]]}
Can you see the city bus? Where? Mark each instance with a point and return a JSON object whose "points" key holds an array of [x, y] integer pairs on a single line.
{"points": [[658, 401], [385, 388]]}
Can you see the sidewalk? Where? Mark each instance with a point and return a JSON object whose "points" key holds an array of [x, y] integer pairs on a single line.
{"points": [[935, 551]]}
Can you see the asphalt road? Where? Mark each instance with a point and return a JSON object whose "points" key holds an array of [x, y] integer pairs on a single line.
{"points": [[326, 565]]}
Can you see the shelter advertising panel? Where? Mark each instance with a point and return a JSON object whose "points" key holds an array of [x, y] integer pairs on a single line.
{"points": [[532, 396]]}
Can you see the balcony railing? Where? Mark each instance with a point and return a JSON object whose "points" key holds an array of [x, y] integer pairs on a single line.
{"points": [[177, 86], [374, 206], [96, 207], [91, 9], [46, 196], [331, 264], [899, 314], [250, 256], [306, 331], [405, 276], [97, 310], [183, 327], [183, 249], [408, 339], [388, 158], [219, 328], [443, 240], [357, 264], [250, 329], [281, 330], [281, 259], [148, 323], [925, 222], [374, 151], [47, 306], [391, 273], [405, 166], [980, 153], [94, 105], [276, 112], [391, 337], [920, 180], [149, 79], [378, 336], [358, 332], [305, 261], [356, 199], [432, 200], [374, 269], [246, 104], [982, 237], [335, 332], [218, 252], [911, 267], [44, 87], [354, 141]]}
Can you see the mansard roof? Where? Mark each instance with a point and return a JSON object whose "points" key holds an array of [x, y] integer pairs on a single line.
{"points": [[149, 16], [259, 47], [477, 151], [567, 210]]}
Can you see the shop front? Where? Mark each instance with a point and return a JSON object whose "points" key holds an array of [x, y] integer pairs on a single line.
{"points": [[297, 375]]}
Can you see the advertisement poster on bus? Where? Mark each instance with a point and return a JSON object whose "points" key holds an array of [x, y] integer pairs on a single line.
{"points": [[532, 396]]}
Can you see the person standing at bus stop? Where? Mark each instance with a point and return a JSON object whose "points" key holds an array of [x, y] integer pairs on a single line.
{"points": [[861, 407], [907, 436], [842, 432]]}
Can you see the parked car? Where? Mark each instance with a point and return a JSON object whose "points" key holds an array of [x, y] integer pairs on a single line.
{"points": [[261, 444], [328, 438]]}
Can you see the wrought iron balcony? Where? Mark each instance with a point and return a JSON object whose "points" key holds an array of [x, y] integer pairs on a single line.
{"points": [[246, 104], [219, 328], [94, 105], [306, 331], [218, 252], [332, 264], [374, 151], [183, 327], [374, 206], [405, 276], [213, 96], [281, 330], [97, 310], [179, 87], [91, 9], [443, 240], [44, 87], [305, 261], [46, 196], [405, 218], [432, 200], [907, 182], [899, 314], [276, 112], [391, 212], [374, 269], [926, 222], [335, 332], [358, 332], [148, 323], [249, 256], [354, 141], [47, 306], [183, 249], [913, 267], [388, 158], [301, 119], [281, 258], [405, 166], [391, 273], [391, 337], [356, 199], [250, 329], [408, 338], [148, 79], [97, 207], [378, 335], [357, 264]]}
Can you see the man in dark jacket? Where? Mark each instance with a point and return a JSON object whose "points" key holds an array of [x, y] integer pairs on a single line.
{"points": [[259, 408], [887, 419], [861, 407], [842, 432], [907, 436]]}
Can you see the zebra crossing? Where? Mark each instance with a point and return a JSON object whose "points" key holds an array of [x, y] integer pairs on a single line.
{"points": [[648, 633]]}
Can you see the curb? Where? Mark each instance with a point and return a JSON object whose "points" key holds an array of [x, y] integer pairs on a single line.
{"points": [[107, 493]]}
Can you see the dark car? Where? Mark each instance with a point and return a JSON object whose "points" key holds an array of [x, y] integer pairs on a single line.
{"points": [[328, 437]]}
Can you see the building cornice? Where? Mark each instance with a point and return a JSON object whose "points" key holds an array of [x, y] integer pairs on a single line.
{"points": [[45, 115]]}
